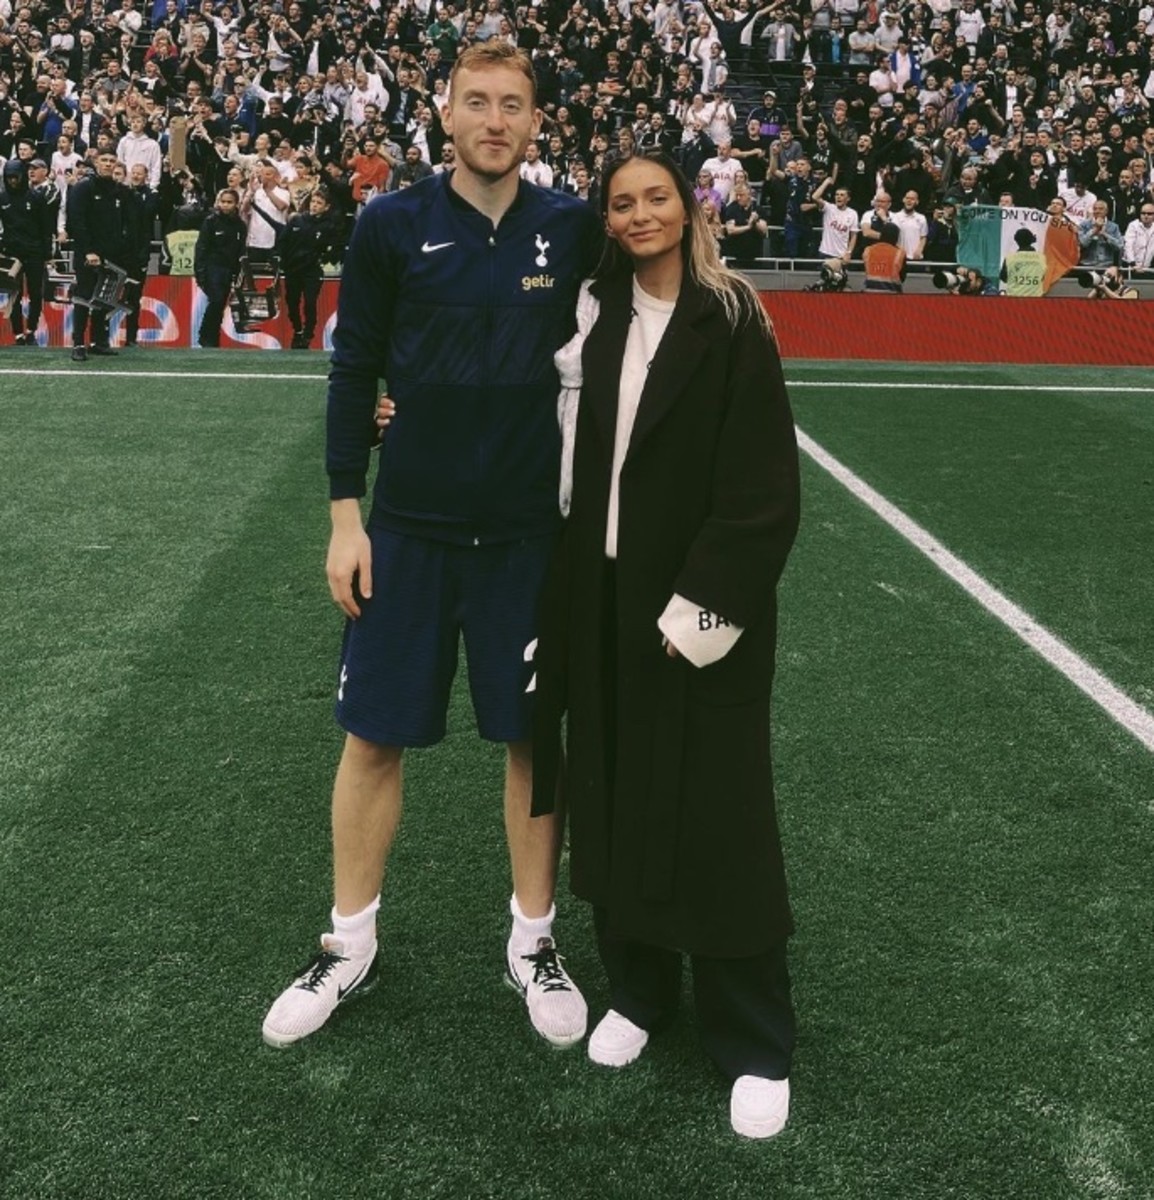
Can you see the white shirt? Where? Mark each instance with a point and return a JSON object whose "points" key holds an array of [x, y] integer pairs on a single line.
{"points": [[1139, 245], [1079, 208], [262, 235], [836, 226], [537, 172], [646, 329], [724, 172], [912, 229]]}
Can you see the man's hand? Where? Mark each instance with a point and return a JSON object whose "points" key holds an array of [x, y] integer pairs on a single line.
{"points": [[350, 558]]}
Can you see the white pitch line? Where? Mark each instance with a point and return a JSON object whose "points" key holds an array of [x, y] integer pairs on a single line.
{"points": [[839, 384], [99, 374], [1115, 703], [843, 385]]}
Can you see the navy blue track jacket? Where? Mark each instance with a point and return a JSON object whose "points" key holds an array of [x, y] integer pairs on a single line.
{"points": [[462, 321]]}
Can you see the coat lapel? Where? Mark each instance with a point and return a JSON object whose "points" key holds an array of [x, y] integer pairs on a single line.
{"points": [[603, 353], [678, 356]]}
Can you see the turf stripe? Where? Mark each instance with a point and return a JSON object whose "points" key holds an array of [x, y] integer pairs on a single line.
{"points": [[925, 386], [1118, 706], [102, 374]]}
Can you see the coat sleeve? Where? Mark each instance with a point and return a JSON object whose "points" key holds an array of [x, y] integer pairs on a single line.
{"points": [[737, 557]]}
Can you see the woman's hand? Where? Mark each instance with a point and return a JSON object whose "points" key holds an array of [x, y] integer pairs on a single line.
{"points": [[386, 409]]}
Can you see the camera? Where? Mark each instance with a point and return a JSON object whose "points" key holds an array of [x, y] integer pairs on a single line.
{"points": [[833, 278], [963, 282], [1106, 285]]}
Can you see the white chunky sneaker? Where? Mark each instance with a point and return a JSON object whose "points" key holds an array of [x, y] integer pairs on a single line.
{"points": [[616, 1041], [556, 1008], [306, 1004], [759, 1108]]}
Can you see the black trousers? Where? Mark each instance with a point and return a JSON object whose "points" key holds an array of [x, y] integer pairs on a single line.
{"points": [[744, 1006], [30, 280], [302, 286], [216, 283], [84, 317], [133, 294]]}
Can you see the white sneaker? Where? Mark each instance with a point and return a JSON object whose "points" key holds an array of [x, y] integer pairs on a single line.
{"points": [[759, 1108], [556, 1008], [616, 1041], [307, 1003]]}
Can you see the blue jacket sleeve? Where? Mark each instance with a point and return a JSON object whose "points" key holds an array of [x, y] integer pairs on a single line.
{"points": [[360, 350]]}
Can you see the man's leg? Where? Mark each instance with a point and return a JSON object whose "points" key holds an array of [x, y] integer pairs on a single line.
{"points": [[534, 842], [557, 1009], [366, 810]]}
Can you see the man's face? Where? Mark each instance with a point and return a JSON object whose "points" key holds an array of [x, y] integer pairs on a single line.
{"points": [[105, 165], [910, 201], [841, 197], [491, 118]]}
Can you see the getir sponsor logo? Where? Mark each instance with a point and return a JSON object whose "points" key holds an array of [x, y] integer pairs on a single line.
{"points": [[529, 282]]}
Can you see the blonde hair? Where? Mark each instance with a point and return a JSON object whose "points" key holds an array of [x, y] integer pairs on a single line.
{"points": [[736, 295], [486, 56]]}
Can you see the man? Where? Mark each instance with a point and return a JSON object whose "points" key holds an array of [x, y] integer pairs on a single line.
{"points": [[1138, 250], [266, 206], [724, 168], [138, 147], [1100, 239], [912, 227], [103, 227], [458, 291], [412, 169], [533, 169], [839, 223], [26, 229]]}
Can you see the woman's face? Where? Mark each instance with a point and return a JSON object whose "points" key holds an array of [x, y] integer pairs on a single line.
{"points": [[645, 215]]}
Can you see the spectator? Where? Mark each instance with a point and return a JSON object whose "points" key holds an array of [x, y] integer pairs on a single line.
{"points": [[879, 216], [839, 224], [137, 146], [913, 228], [706, 191], [370, 169], [1100, 239], [942, 237], [723, 168], [745, 229], [413, 169], [265, 208], [1138, 247], [797, 236]]}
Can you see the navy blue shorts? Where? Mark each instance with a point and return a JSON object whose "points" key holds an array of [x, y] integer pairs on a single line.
{"points": [[400, 655]]}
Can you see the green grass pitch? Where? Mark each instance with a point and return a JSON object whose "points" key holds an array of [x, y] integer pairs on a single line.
{"points": [[969, 838]]}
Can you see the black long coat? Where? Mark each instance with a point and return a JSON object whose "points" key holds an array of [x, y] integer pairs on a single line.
{"points": [[671, 809]]}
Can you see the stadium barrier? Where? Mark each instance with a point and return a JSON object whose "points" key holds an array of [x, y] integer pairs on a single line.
{"points": [[930, 328]]}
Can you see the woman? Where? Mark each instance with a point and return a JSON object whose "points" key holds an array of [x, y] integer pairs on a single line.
{"points": [[657, 638]]}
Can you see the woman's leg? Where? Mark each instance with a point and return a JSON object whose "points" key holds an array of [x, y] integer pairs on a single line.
{"points": [[745, 1013], [644, 981]]}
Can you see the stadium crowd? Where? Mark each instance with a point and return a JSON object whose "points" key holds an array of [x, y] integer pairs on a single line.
{"points": [[289, 117]]}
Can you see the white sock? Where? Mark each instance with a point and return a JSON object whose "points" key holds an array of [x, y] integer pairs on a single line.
{"points": [[527, 930], [358, 932]]}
